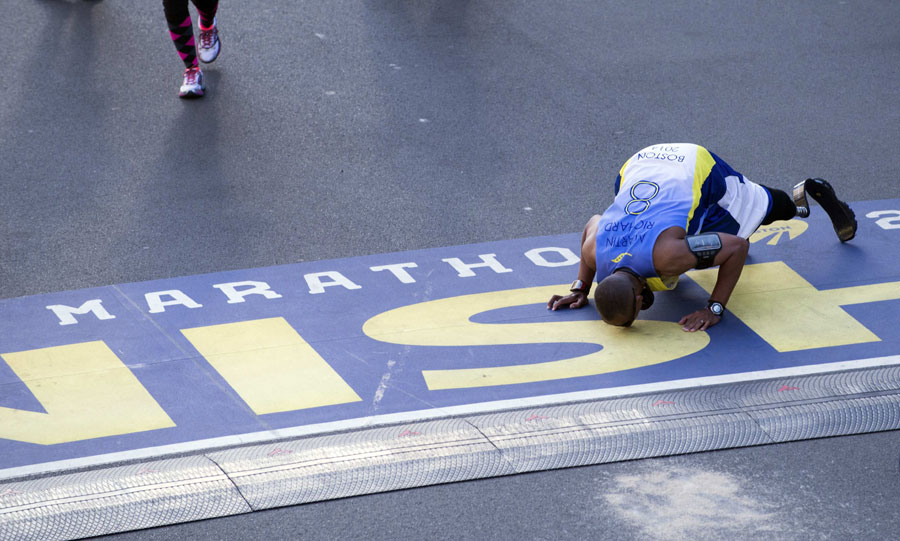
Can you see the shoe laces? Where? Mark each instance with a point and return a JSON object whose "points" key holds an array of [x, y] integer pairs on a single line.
{"points": [[208, 38], [191, 75]]}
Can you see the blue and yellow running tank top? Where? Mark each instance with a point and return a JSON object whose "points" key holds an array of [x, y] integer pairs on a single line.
{"points": [[659, 187]]}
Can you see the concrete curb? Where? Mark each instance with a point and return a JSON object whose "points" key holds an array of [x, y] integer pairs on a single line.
{"points": [[415, 454]]}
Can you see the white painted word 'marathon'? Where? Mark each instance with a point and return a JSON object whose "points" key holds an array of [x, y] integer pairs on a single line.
{"points": [[158, 302]]}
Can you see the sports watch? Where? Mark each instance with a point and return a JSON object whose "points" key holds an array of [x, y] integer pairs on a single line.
{"points": [[716, 308], [578, 286]]}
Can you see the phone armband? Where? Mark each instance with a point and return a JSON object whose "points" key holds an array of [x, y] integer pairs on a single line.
{"points": [[704, 247]]}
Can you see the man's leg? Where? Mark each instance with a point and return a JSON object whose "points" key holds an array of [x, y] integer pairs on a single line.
{"points": [[784, 207]]}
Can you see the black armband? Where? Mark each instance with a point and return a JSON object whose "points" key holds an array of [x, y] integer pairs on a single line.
{"points": [[704, 247]]}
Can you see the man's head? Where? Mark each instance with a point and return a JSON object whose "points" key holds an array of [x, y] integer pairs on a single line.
{"points": [[619, 298]]}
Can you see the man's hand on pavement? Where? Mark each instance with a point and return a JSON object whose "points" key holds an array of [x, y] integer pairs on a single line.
{"points": [[699, 321], [573, 300]]}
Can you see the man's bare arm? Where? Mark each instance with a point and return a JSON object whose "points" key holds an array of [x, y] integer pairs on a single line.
{"points": [[731, 263], [586, 270], [675, 258]]}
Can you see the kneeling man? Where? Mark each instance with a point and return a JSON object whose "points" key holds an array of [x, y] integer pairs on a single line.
{"points": [[679, 207]]}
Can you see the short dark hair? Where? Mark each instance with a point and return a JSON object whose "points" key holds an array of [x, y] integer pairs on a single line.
{"points": [[614, 299]]}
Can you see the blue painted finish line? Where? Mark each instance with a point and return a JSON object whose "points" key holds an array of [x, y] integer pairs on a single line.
{"points": [[168, 362]]}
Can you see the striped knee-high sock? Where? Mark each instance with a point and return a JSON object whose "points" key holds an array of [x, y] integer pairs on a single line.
{"points": [[207, 10], [182, 31]]}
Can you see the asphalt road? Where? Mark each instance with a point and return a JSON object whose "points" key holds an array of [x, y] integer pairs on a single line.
{"points": [[342, 128]]}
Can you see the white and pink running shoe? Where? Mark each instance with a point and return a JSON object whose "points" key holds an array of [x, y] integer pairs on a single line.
{"points": [[209, 43], [193, 86]]}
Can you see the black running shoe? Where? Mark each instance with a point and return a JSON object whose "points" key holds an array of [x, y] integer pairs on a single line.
{"points": [[842, 217]]}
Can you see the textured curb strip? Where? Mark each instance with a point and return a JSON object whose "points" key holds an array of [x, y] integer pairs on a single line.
{"points": [[319, 468]]}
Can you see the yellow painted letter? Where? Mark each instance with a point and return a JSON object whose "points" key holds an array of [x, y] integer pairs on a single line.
{"points": [[270, 366], [791, 314], [445, 322], [87, 393]]}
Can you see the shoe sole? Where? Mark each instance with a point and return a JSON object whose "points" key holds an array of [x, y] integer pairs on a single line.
{"points": [[191, 94], [842, 216]]}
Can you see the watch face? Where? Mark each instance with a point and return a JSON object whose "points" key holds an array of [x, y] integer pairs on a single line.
{"points": [[716, 308]]}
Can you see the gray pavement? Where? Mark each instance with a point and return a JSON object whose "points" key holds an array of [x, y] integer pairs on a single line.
{"points": [[346, 128], [341, 128]]}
